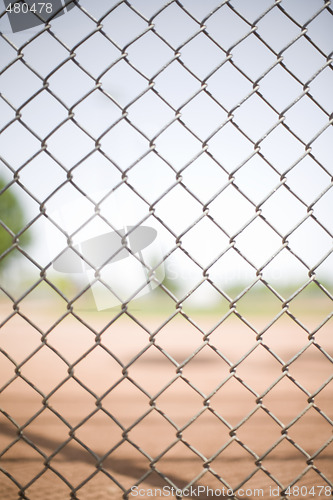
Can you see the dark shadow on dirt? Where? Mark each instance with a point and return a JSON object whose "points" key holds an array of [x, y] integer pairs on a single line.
{"points": [[73, 452]]}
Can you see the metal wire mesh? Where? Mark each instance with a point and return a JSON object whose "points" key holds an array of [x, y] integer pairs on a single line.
{"points": [[198, 50]]}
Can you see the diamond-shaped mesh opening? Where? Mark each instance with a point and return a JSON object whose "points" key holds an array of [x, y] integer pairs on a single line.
{"points": [[18, 338], [97, 41], [103, 169], [279, 88], [46, 293], [216, 433], [301, 71], [166, 249], [259, 442], [252, 370], [26, 452], [285, 473], [13, 73], [18, 410], [113, 26], [202, 115], [134, 340], [209, 363], [152, 360], [72, 410], [202, 300], [105, 113], [285, 337], [75, 454], [316, 31], [277, 41], [282, 149], [260, 60], [169, 402], [47, 432], [43, 114], [247, 242], [232, 273], [81, 84], [161, 177], [275, 273], [72, 347], [125, 402], [40, 487], [217, 26], [234, 451], [110, 434], [262, 118], [151, 65], [190, 465], [232, 401], [205, 189], [305, 247], [311, 357], [189, 338], [201, 56], [286, 390], [91, 368], [177, 156], [189, 214], [250, 304], [232, 339], [150, 114], [290, 210], [231, 210], [246, 179], [161, 434], [316, 180], [229, 85], [126, 465], [167, 84], [174, 25], [307, 128], [77, 148], [44, 357], [320, 430], [230, 147], [311, 306], [37, 173], [131, 86], [31, 145]]}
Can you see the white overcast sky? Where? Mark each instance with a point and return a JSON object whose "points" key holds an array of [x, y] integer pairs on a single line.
{"points": [[227, 149]]}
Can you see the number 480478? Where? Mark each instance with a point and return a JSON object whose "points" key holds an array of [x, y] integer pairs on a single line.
{"points": [[23, 7], [303, 491]]}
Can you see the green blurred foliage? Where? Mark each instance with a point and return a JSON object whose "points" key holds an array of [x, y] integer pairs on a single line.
{"points": [[12, 215]]}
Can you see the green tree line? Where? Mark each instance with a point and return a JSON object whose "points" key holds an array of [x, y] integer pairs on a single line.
{"points": [[11, 217]]}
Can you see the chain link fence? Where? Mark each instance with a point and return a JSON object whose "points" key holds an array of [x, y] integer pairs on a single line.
{"points": [[166, 249]]}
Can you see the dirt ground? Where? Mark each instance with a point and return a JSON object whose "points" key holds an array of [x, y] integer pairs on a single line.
{"points": [[90, 420]]}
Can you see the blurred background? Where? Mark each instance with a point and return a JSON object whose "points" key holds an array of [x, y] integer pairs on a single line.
{"points": [[209, 122], [234, 123]]}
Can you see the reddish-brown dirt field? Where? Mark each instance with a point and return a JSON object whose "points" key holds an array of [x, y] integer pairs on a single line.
{"points": [[73, 427]]}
